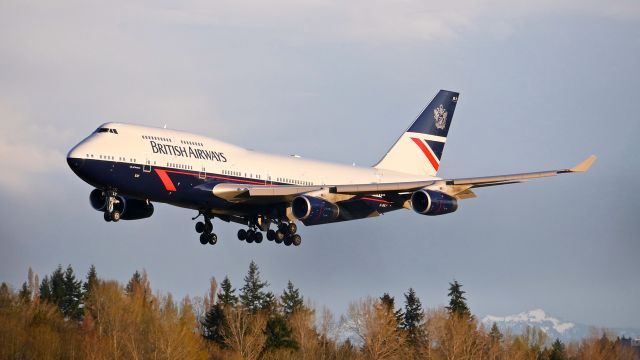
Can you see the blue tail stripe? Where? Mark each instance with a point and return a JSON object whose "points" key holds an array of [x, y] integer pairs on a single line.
{"points": [[436, 117], [437, 147]]}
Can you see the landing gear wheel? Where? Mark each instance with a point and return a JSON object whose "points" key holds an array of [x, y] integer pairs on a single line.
{"points": [[250, 236], [296, 240], [213, 239], [204, 239], [107, 217], [258, 237], [279, 236], [242, 234], [271, 235], [199, 227], [288, 241], [115, 216], [293, 228]]}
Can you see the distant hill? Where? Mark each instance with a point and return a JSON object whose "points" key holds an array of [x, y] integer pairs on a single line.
{"points": [[554, 327]]}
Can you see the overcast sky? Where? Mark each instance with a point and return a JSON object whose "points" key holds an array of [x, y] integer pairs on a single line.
{"points": [[543, 84]]}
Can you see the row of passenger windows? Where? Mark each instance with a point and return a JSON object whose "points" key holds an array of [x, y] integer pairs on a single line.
{"points": [[294, 181], [156, 138], [180, 166], [195, 143]]}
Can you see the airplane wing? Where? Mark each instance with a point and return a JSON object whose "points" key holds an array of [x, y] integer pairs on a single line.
{"points": [[460, 188]]}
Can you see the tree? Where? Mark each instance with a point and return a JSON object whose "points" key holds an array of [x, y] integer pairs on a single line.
{"points": [[279, 334], [214, 324], [495, 334], [227, 293], [45, 289], [92, 280], [389, 302], [252, 295], [457, 302], [377, 329], [6, 296], [413, 316], [245, 332], [57, 287], [134, 282], [25, 293], [291, 300], [72, 298], [558, 351]]}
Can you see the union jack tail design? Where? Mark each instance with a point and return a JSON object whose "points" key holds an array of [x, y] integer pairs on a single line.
{"points": [[419, 150]]}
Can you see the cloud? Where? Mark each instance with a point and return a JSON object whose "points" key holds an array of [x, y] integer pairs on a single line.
{"points": [[28, 152]]}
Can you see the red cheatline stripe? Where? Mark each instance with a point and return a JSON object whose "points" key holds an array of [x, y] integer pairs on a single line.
{"points": [[376, 200], [426, 152], [166, 181]]}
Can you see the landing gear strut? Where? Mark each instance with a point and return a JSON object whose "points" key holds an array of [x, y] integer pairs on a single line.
{"points": [[111, 212], [205, 229]]}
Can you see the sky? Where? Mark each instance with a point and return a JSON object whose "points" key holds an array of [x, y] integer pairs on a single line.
{"points": [[543, 85]]}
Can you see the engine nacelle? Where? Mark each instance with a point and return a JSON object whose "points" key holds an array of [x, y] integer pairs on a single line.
{"points": [[98, 200], [314, 211], [129, 208], [429, 202]]}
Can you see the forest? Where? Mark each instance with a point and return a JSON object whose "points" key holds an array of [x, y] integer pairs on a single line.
{"points": [[62, 316]]}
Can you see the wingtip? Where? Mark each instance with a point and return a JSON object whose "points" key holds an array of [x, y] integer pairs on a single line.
{"points": [[585, 164]]}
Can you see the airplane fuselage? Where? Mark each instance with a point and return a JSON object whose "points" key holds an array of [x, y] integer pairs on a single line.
{"points": [[168, 166]]}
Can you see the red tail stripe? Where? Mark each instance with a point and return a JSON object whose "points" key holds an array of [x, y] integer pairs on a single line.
{"points": [[426, 152], [166, 180]]}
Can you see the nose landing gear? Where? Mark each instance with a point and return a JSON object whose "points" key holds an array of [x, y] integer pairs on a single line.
{"points": [[112, 207]]}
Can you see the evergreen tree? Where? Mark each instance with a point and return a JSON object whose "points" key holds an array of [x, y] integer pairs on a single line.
{"points": [[6, 296], [227, 296], [389, 303], [25, 294], [45, 290], [279, 334], [291, 299], [134, 283], [92, 281], [252, 294], [413, 316], [214, 324], [495, 334], [457, 301], [72, 298], [558, 351], [57, 287]]}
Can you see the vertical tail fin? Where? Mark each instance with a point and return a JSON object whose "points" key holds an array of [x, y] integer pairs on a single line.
{"points": [[419, 150]]}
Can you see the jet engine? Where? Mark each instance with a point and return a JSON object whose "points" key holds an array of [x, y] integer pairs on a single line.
{"points": [[429, 202], [314, 211], [129, 208]]}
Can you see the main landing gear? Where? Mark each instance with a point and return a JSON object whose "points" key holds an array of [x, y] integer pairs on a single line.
{"points": [[286, 234], [111, 212], [205, 229]]}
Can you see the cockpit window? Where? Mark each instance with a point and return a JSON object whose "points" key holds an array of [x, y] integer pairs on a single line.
{"points": [[104, 130]]}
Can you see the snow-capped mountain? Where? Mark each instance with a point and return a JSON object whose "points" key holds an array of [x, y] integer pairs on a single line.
{"points": [[553, 327]]}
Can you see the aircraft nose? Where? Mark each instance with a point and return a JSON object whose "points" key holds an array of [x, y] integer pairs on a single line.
{"points": [[75, 161]]}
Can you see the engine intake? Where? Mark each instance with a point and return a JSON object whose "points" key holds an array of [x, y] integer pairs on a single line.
{"points": [[429, 202], [313, 211]]}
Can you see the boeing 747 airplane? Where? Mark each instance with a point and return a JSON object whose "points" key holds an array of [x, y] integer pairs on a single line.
{"points": [[132, 166]]}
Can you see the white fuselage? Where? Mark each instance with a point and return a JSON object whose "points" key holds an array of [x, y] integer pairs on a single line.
{"points": [[157, 147]]}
